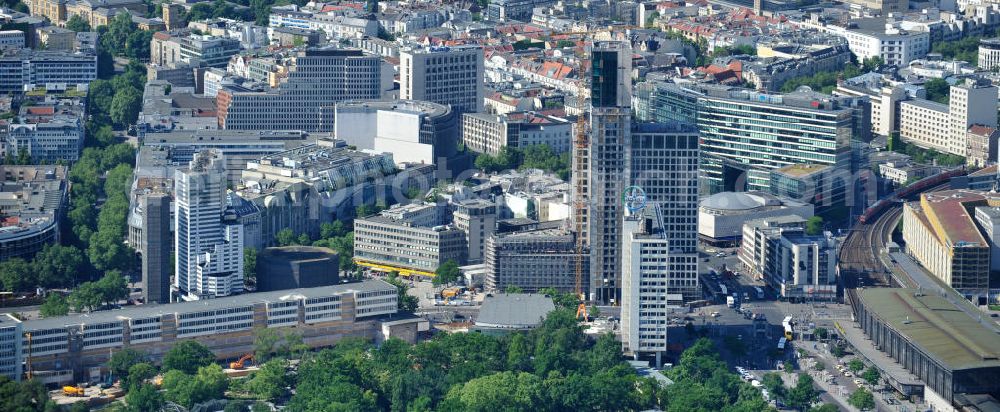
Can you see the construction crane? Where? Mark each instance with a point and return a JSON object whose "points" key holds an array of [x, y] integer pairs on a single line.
{"points": [[582, 145], [239, 364]]}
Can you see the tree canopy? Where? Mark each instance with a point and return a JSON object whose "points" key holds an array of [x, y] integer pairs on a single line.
{"points": [[862, 399], [55, 305], [187, 357], [539, 156], [552, 368], [24, 396], [447, 273]]}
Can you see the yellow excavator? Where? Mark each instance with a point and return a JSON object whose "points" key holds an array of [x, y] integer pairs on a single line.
{"points": [[73, 391], [239, 364]]}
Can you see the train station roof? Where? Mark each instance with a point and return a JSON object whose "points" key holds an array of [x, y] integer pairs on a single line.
{"points": [[935, 326]]}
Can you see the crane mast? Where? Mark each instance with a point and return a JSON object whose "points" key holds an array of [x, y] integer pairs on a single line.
{"points": [[582, 158]]}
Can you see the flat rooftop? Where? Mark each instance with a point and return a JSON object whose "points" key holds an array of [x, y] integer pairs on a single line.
{"points": [[514, 310], [225, 136], [986, 171], [406, 106], [927, 104], [156, 310], [803, 169], [936, 326], [955, 226]]}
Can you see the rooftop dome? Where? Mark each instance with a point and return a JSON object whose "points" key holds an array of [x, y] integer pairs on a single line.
{"points": [[733, 201]]}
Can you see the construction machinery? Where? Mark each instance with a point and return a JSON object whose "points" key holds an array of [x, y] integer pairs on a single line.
{"points": [[73, 391], [239, 364]]}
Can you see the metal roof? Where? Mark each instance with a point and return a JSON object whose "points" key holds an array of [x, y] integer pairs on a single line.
{"points": [[514, 311], [943, 332]]}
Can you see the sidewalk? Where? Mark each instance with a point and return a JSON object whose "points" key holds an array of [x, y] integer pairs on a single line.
{"points": [[838, 393], [829, 362]]}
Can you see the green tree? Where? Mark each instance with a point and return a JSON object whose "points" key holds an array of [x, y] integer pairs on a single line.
{"points": [[564, 300], [112, 287], [265, 343], [104, 136], [138, 374], [107, 252], [872, 63], [250, 265], [285, 237], [293, 345], [821, 333], [404, 301], [143, 398], [332, 229], [938, 90], [446, 273], [826, 407], [303, 239], [16, 275], [855, 365], [894, 143], [137, 44], [862, 399], [871, 375], [209, 383], [116, 154], [122, 361], [269, 381], [513, 289], [85, 297], [774, 385], [651, 19], [125, 107], [803, 394], [838, 351], [187, 357], [77, 24], [59, 266], [24, 396], [55, 305], [814, 225], [515, 391]]}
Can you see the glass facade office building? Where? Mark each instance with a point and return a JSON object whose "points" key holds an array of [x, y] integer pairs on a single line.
{"points": [[746, 134]]}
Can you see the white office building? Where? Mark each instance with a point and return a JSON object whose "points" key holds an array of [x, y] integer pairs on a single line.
{"points": [[989, 54], [989, 219], [654, 281], [11, 38], [446, 75], [488, 133], [795, 265], [26, 66], [413, 131], [208, 243], [893, 44], [944, 127], [10, 347]]}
